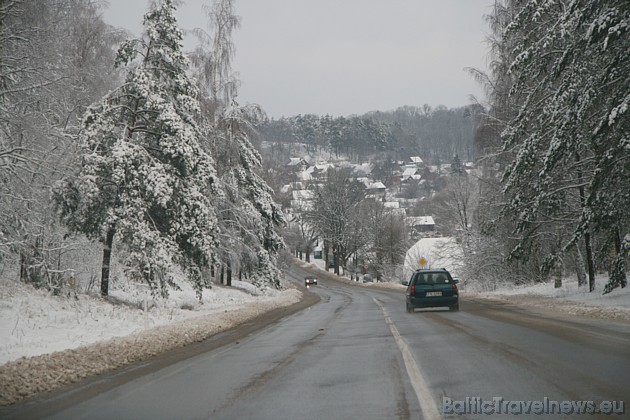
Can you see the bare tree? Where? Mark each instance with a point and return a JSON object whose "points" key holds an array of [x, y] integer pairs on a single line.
{"points": [[336, 214], [213, 57], [386, 238], [456, 205], [54, 62]]}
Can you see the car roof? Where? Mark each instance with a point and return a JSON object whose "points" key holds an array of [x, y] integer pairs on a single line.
{"points": [[432, 270]]}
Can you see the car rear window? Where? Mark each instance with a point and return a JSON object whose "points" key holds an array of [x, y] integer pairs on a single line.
{"points": [[431, 278]]}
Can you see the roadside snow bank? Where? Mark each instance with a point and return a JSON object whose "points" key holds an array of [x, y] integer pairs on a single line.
{"points": [[569, 298], [34, 322], [62, 340]]}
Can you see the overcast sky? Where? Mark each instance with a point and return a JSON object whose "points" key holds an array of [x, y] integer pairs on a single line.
{"points": [[345, 57]]}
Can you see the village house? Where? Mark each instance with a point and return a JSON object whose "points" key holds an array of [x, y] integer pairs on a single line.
{"points": [[420, 226], [376, 189], [298, 164], [410, 174]]}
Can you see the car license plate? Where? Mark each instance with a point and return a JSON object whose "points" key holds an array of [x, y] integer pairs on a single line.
{"points": [[434, 293]]}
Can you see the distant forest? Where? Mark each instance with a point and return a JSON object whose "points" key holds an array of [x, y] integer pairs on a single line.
{"points": [[435, 134]]}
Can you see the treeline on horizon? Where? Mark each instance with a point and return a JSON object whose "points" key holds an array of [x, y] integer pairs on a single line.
{"points": [[435, 134]]}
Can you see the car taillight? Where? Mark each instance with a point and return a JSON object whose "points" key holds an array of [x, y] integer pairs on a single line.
{"points": [[454, 288], [412, 290]]}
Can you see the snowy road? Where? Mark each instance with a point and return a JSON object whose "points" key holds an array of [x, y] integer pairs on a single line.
{"points": [[357, 354]]}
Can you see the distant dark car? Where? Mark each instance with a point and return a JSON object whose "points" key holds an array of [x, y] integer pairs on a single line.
{"points": [[310, 281], [367, 278], [432, 289]]}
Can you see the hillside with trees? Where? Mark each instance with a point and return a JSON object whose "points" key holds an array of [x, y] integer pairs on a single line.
{"points": [[436, 134]]}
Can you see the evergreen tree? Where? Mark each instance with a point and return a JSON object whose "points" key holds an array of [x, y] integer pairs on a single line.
{"points": [[249, 212], [145, 179], [569, 138], [248, 216], [457, 167]]}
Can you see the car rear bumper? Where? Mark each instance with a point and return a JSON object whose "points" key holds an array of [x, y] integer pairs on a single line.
{"points": [[432, 302]]}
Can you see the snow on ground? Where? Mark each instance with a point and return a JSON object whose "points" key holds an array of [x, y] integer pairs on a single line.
{"points": [[47, 341], [568, 299], [33, 322]]}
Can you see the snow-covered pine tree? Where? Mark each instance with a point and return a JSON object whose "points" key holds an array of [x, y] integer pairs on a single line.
{"points": [[145, 179], [248, 215], [603, 51], [570, 137], [537, 178], [254, 195]]}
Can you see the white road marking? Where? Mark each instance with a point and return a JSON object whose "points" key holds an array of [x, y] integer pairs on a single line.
{"points": [[427, 404]]}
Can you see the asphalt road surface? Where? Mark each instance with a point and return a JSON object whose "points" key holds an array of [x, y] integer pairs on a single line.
{"points": [[356, 354]]}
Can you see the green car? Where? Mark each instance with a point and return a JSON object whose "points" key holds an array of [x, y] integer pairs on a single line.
{"points": [[431, 289]]}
